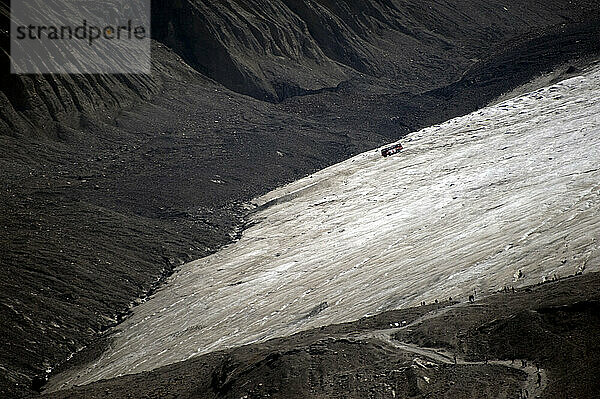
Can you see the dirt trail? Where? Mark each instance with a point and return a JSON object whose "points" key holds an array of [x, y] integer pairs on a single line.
{"points": [[444, 357]]}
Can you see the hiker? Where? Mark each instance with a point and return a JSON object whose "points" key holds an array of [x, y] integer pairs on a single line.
{"points": [[539, 380], [471, 298]]}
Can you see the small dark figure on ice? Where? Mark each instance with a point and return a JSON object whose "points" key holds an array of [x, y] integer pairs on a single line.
{"points": [[394, 149]]}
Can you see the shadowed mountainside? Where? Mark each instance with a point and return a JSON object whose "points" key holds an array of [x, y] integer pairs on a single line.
{"points": [[279, 49], [45, 106], [273, 50]]}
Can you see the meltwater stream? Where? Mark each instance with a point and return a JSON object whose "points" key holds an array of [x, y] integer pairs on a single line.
{"points": [[515, 186]]}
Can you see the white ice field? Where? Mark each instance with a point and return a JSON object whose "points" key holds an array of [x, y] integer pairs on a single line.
{"points": [[469, 203]]}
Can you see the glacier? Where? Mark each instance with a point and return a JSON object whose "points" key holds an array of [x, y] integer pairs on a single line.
{"points": [[506, 196]]}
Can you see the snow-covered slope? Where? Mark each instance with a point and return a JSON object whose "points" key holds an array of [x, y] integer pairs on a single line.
{"points": [[469, 203]]}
